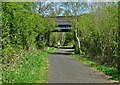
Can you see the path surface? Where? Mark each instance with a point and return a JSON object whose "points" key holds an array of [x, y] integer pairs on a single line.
{"points": [[65, 69]]}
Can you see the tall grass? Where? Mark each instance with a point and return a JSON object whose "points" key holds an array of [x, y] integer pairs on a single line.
{"points": [[31, 69]]}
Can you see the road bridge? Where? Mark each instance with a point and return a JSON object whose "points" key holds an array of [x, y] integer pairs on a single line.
{"points": [[64, 23]]}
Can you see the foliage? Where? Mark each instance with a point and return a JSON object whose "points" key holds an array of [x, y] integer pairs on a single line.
{"points": [[69, 39], [24, 32], [54, 39], [62, 8], [99, 35], [31, 69]]}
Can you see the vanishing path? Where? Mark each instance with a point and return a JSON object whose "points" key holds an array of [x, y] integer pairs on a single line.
{"points": [[65, 69]]}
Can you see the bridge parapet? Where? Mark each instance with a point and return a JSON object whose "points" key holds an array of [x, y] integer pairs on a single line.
{"points": [[63, 23]]}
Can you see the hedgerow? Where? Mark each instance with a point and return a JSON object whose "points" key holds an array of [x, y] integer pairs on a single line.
{"points": [[24, 33], [99, 36]]}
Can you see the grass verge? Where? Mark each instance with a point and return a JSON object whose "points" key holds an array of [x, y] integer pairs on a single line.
{"points": [[113, 72], [31, 69]]}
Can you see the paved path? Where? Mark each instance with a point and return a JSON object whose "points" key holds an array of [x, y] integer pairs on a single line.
{"points": [[65, 69]]}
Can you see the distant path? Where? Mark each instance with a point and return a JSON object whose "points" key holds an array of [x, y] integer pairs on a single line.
{"points": [[65, 69]]}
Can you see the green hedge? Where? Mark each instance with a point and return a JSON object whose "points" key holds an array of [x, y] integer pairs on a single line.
{"points": [[24, 32], [99, 35]]}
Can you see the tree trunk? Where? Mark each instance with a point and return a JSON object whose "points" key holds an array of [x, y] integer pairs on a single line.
{"points": [[77, 43]]}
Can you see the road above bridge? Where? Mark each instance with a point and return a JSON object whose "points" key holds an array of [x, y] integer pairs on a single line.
{"points": [[65, 69]]}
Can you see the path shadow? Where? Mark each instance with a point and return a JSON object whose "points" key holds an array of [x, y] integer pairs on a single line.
{"points": [[64, 50], [71, 50], [62, 53], [63, 47]]}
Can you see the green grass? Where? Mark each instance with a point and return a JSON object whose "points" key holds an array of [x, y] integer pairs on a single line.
{"points": [[32, 69], [113, 72]]}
